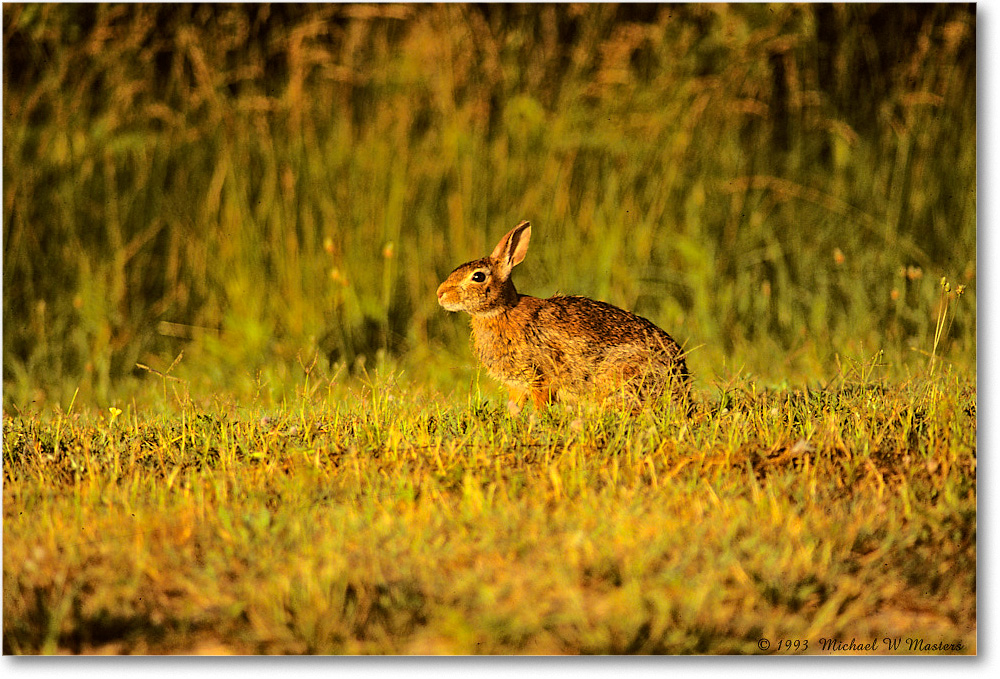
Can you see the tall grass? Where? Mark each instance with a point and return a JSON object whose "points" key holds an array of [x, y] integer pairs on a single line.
{"points": [[781, 187]]}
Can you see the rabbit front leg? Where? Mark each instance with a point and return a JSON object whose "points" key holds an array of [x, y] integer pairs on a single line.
{"points": [[516, 400], [540, 396]]}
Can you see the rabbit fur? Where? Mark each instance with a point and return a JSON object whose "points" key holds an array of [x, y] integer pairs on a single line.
{"points": [[563, 348]]}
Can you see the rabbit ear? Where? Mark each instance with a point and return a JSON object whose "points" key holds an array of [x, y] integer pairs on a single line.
{"points": [[511, 249]]}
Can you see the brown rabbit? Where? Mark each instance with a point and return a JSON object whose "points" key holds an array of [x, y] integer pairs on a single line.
{"points": [[565, 347]]}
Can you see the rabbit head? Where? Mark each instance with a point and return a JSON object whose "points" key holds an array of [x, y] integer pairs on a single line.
{"points": [[483, 287]]}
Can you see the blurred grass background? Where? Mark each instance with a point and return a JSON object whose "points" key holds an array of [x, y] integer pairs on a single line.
{"points": [[259, 186]]}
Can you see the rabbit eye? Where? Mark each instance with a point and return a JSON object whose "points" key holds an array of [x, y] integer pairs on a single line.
{"points": [[478, 277]]}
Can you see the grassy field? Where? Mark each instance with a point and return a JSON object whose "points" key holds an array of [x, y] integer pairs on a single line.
{"points": [[235, 418], [389, 519]]}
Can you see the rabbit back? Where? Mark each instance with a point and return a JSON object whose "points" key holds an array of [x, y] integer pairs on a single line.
{"points": [[577, 348]]}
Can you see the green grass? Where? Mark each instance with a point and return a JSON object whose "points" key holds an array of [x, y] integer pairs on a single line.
{"points": [[236, 419], [386, 518]]}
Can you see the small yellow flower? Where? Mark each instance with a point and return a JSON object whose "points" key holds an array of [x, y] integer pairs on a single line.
{"points": [[115, 412]]}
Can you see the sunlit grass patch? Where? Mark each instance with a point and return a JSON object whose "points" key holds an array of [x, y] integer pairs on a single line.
{"points": [[382, 518]]}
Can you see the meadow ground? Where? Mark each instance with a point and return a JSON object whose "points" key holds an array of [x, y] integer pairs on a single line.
{"points": [[383, 517], [788, 189]]}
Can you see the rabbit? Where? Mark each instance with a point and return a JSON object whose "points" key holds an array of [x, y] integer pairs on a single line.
{"points": [[564, 348]]}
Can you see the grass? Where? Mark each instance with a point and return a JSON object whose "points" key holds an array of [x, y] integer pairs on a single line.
{"points": [[384, 518], [236, 420]]}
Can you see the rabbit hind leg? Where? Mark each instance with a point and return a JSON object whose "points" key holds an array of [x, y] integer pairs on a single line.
{"points": [[541, 396]]}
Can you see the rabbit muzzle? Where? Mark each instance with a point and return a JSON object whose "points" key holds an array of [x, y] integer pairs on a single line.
{"points": [[448, 298]]}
